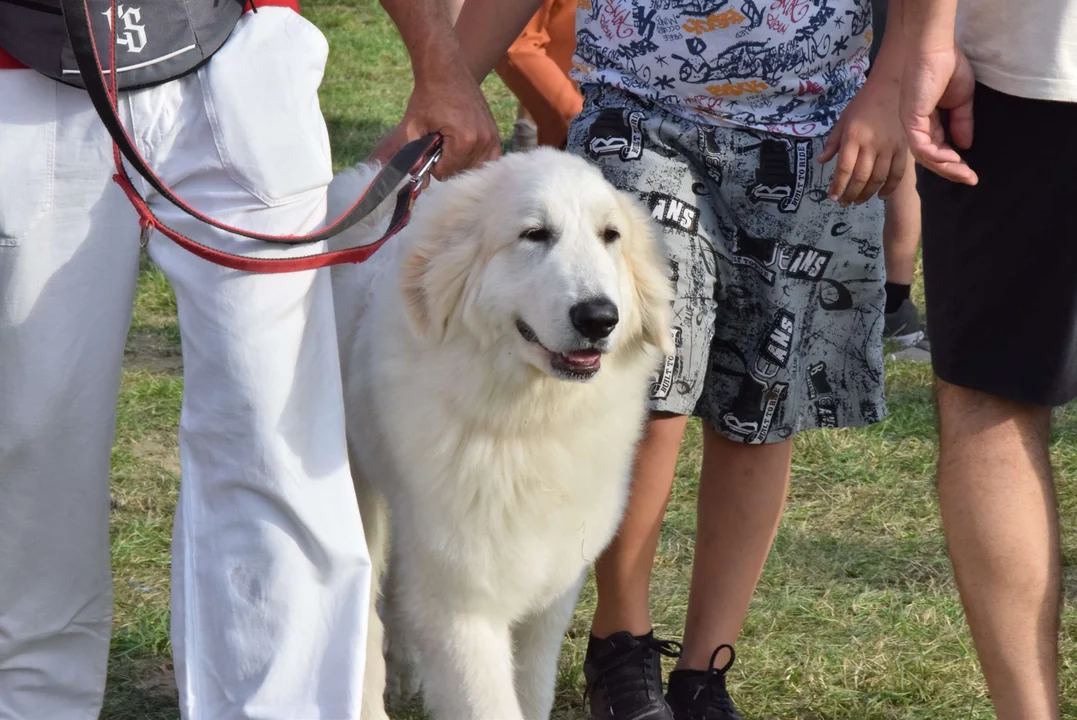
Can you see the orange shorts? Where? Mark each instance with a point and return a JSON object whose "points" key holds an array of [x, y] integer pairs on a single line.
{"points": [[536, 69]]}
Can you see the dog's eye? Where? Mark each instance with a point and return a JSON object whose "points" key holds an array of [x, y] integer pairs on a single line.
{"points": [[539, 234], [610, 235]]}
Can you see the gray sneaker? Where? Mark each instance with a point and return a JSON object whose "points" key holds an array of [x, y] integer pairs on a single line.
{"points": [[524, 135], [902, 327]]}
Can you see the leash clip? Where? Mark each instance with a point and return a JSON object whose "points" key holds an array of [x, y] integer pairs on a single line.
{"points": [[419, 176], [416, 179]]}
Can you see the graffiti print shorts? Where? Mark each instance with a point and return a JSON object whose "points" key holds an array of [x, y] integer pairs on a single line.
{"points": [[779, 311]]}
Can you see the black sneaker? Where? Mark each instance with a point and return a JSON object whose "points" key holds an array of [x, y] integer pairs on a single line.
{"points": [[903, 325], [701, 695], [624, 676]]}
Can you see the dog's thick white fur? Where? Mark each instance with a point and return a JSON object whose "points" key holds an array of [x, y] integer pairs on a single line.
{"points": [[499, 434]]}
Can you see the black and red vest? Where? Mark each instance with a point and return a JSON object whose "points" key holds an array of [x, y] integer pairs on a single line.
{"points": [[156, 40]]}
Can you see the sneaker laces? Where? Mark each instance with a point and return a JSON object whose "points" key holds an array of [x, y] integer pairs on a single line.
{"points": [[619, 687], [712, 693]]}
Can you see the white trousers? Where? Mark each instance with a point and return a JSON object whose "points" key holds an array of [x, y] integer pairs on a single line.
{"points": [[270, 572]]}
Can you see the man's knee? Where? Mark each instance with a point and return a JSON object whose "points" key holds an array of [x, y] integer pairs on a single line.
{"points": [[967, 415]]}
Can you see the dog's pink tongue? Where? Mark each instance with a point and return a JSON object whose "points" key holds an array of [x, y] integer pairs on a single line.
{"points": [[584, 358]]}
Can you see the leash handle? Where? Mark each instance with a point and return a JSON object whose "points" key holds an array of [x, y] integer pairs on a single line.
{"points": [[413, 163]]}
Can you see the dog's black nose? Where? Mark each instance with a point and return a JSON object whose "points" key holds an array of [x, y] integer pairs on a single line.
{"points": [[595, 319]]}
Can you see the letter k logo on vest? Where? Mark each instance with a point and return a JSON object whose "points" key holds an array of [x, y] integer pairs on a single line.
{"points": [[133, 36]]}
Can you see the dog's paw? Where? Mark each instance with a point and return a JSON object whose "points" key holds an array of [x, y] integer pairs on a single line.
{"points": [[402, 682]]}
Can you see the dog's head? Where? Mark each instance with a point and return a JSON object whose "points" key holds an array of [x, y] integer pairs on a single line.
{"points": [[539, 255]]}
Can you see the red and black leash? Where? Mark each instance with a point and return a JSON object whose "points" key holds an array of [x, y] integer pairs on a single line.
{"points": [[413, 162]]}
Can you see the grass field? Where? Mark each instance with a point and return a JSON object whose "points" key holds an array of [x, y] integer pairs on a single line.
{"points": [[856, 614]]}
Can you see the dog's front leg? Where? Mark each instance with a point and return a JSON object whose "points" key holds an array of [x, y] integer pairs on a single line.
{"points": [[374, 513], [401, 662], [465, 664], [537, 647]]}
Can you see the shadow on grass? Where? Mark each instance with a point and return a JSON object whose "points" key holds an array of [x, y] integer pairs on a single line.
{"points": [[352, 140], [910, 563]]}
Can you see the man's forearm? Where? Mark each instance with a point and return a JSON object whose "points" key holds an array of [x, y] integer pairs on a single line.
{"points": [[486, 28], [426, 29], [929, 25]]}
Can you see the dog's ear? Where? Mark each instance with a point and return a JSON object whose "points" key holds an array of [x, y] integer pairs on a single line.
{"points": [[437, 263], [646, 259]]}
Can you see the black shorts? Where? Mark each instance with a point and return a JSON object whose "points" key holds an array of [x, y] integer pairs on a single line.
{"points": [[1000, 258]]}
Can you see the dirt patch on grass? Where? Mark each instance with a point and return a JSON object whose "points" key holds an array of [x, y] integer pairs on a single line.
{"points": [[158, 450], [149, 481], [153, 353], [157, 679]]}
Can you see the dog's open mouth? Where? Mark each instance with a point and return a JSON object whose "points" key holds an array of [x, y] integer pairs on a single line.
{"points": [[574, 365]]}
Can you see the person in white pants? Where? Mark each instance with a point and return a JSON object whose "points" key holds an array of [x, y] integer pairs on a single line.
{"points": [[270, 572]]}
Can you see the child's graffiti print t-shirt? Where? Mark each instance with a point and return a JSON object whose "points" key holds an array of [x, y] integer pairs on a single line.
{"points": [[785, 66]]}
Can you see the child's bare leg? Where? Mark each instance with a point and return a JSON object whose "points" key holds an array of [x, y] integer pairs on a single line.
{"points": [[742, 492], [623, 572], [901, 229], [901, 240]]}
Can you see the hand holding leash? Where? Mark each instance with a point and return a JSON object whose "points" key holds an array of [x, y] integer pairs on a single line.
{"points": [[451, 104]]}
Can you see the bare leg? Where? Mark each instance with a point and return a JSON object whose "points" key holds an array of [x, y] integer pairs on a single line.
{"points": [[1001, 520], [623, 572], [742, 492], [901, 230]]}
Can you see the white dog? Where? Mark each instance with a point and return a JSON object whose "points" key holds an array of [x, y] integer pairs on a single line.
{"points": [[497, 356]]}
